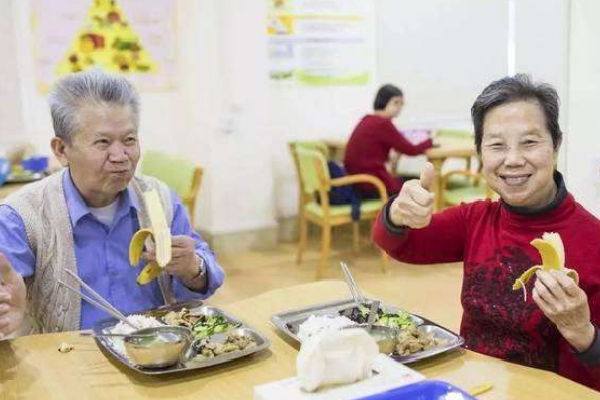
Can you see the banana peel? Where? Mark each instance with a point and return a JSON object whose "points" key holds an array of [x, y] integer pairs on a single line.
{"points": [[159, 233], [552, 251]]}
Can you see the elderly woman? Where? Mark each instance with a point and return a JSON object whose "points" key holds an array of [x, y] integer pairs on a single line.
{"points": [[82, 219], [518, 137]]}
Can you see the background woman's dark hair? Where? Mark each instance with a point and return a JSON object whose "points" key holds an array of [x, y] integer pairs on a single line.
{"points": [[384, 95], [517, 88]]}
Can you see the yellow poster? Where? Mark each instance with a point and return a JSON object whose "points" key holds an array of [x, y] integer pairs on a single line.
{"points": [[136, 38], [108, 41]]}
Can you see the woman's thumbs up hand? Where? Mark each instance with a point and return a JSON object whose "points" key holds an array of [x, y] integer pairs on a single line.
{"points": [[413, 207]]}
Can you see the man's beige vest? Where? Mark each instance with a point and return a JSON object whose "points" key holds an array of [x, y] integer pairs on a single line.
{"points": [[42, 207]]}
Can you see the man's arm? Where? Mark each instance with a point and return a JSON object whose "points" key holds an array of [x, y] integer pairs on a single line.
{"points": [[14, 243], [205, 275], [16, 259]]}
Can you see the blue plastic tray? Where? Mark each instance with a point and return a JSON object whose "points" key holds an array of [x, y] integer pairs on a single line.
{"points": [[425, 390]]}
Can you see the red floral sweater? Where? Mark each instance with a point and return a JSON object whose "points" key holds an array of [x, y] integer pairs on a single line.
{"points": [[493, 242]]}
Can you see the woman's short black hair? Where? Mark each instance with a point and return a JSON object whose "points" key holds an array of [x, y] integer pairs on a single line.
{"points": [[517, 88], [384, 95]]}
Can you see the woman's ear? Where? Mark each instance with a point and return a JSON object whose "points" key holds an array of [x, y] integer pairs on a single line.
{"points": [[59, 149]]}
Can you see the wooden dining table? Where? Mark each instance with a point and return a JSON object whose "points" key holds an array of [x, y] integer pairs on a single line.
{"points": [[446, 147], [31, 367]]}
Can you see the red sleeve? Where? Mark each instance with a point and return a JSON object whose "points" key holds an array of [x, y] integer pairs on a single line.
{"points": [[572, 368], [396, 140], [440, 242]]}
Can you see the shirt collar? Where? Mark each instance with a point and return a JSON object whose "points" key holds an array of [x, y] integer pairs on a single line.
{"points": [[78, 209]]}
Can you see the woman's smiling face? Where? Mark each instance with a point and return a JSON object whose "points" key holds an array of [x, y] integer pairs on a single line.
{"points": [[518, 154]]}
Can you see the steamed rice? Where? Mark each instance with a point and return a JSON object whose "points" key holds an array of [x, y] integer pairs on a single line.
{"points": [[141, 321], [319, 324]]}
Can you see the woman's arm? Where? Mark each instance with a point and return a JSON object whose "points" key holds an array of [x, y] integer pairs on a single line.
{"points": [[440, 242], [396, 140]]}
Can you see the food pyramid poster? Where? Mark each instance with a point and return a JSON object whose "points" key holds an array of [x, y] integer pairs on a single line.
{"points": [[107, 40], [135, 38]]}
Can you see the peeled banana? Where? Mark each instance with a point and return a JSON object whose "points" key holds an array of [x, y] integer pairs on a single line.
{"points": [[161, 235], [552, 251]]}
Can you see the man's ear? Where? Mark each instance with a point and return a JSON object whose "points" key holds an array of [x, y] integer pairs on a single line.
{"points": [[59, 149]]}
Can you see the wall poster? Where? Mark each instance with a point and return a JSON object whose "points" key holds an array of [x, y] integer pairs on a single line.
{"points": [[320, 42], [136, 38]]}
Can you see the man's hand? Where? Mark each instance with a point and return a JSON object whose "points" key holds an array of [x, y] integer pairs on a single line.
{"points": [[13, 300], [414, 205], [566, 305], [184, 263]]}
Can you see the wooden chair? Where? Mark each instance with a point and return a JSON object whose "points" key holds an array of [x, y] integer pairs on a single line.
{"points": [[313, 177], [475, 188], [181, 175]]}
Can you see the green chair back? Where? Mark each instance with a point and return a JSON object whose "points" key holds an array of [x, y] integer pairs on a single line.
{"points": [[177, 173], [310, 161], [312, 145]]}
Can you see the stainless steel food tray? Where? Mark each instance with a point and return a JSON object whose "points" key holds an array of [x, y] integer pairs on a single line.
{"points": [[288, 322], [197, 362]]}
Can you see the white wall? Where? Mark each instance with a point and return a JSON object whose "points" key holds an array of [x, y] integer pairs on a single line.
{"points": [[229, 118], [542, 50], [442, 53], [583, 145], [11, 116], [222, 65]]}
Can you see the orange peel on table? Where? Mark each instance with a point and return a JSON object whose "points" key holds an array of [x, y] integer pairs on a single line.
{"points": [[552, 250]]}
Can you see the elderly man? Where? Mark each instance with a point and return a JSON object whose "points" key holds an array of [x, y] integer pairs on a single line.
{"points": [[83, 218]]}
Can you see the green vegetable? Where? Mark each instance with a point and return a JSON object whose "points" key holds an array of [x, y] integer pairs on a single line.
{"points": [[395, 320], [208, 326]]}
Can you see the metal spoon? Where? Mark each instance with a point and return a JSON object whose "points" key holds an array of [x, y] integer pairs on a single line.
{"points": [[354, 291], [372, 314]]}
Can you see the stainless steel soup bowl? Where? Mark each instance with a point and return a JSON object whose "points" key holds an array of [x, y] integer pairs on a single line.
{"points": [[385, 337], [165, 346]]}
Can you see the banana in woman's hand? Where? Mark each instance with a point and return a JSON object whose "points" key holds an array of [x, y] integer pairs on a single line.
{"points": [[552, 250]]}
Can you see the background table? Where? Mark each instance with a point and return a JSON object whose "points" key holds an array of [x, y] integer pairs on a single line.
{"points": [[448, 148]]}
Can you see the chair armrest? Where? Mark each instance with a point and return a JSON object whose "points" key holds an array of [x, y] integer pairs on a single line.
{"points": [[445, 177], [362, 178]]}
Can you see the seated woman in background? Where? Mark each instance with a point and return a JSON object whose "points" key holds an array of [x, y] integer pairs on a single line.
{"points": [[369, 146], [517, 136]]}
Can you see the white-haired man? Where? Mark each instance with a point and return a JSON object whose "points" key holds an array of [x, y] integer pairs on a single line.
{"points": [[82, 219]]}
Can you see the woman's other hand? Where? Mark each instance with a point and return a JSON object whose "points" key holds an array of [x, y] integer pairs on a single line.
{"points": [[566, 305]]}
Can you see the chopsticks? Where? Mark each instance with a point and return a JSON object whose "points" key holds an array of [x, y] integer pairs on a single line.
{"points": [[354, 291], [98, 302]]}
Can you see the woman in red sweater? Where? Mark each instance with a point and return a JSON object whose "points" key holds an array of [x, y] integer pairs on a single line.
{"points": [[369, 146], [517, 136]]}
